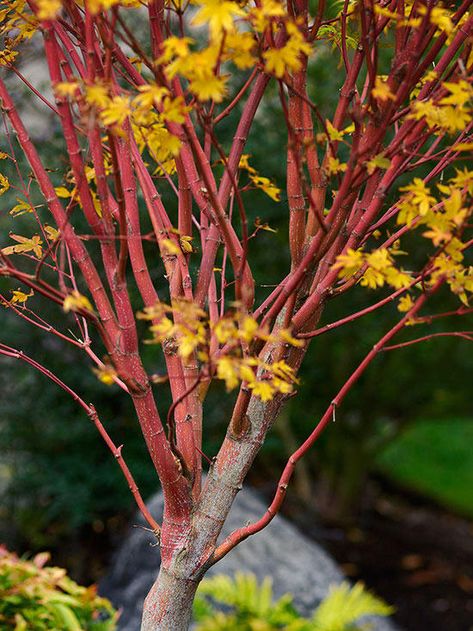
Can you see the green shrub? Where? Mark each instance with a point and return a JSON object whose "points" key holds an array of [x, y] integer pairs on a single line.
{"points": [[38, 598], [249, 606]]}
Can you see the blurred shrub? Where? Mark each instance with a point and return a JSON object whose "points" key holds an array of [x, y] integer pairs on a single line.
{"points": [[38, 598], [250, 607]]}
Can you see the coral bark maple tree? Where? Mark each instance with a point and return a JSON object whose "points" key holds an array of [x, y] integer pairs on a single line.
{"points": [[140, 112]]}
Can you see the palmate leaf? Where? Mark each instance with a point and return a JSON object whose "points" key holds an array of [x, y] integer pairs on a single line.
{"points": [[345, 605]]}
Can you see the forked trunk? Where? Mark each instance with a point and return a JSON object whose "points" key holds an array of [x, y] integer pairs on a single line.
{"points": [[168, 606]]}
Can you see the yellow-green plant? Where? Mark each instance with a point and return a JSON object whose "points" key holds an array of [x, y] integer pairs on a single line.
{"points": [[249, 606], [34, 597]]}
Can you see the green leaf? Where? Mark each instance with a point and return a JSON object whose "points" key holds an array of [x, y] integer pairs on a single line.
{"points": [[67, 619]]}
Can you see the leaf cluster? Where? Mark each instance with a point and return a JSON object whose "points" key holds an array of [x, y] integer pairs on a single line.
{"points": [[249, 606], [34, 597]]}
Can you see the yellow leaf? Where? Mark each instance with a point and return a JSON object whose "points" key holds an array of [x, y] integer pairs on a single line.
{"points": [[106, 374], [334, 166], [48, 9], [227, 370], [259, 225], [248, 328], [381, 90], [287, 58], [97, 95], [263, 390], [186, 244], [218, 14], [334, 134], [95, 6], [21, 208], [463, 146], [174, 110], [405, 304], [265, 184], [51, 233], [460, 93], [170, 247], [4, 184], [378, 162], [372, 278], [117, 111], [209, 87], [20, 297], [66, 88], [245, 164], [25, 245], [61, 191], [349, 263], [75, 301], [225, 330], [419, 195], [285, 336]]}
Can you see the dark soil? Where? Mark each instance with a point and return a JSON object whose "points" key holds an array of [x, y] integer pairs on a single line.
{"points": [[412, 553]]}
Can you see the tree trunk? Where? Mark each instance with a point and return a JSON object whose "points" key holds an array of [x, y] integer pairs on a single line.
{"points": [[168, 606]]}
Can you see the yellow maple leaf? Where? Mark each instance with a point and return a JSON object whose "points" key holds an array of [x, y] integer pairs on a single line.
{"points": [[20, 297], [174, 47], [264, 390], [265, 184], [218, 14], [420, 195], [349, 263], [248, 328], [372, 278], [117, 111], [334, 166], [461, 93], [66, 88], [186, 243], [378, 162], [170, 247], [405, 304], [4, 184], [24, 245], [51, 233], [463, 146], [96, 6], [225, 330], [63, 193], [151, 95], [227, 370], [48, 9], [21, 208], [287, 58], [381, 90], [397, 278], [209, 87], [334, 134], [106, 374], [96, 95], [75, 301], [286, 337]]}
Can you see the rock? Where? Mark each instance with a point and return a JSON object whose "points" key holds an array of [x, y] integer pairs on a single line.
{"points": [[295, 563]]}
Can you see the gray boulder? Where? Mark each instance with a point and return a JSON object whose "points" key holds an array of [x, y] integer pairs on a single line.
{"points": [[295, 563]]}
